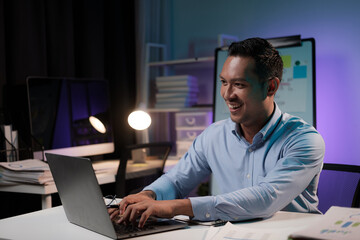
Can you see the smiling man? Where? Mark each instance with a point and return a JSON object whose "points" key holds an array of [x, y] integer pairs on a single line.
{"points": [[263, 160]]}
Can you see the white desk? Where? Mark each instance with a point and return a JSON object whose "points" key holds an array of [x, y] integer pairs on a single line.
{"points": [[132, 171], [52, 224]]}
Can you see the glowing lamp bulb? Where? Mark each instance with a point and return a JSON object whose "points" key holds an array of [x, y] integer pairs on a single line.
{"points": [[139, 120], [97, 124]]}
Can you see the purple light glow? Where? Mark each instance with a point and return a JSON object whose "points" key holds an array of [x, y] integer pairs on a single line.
{"points": [[335, 109]]}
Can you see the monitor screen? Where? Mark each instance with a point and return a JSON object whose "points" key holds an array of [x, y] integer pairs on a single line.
{"points": [[296, 93], [60, 109]]}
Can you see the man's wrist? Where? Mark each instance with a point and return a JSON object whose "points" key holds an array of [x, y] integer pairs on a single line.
{"points": [[182, 207], [150, 194]]}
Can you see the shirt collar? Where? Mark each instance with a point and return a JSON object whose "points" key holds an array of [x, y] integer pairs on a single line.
{"points": [[270, 126], [267, 130]]}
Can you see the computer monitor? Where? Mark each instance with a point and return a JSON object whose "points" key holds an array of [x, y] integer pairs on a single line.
{"points": [[59, 115]]}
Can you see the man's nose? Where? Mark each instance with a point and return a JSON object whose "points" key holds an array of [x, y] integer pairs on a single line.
{"points": [[228, 92]]}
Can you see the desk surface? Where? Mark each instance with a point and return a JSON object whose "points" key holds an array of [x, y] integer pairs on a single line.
{"points": [[105, 172], [132, 171], [52, 224]]}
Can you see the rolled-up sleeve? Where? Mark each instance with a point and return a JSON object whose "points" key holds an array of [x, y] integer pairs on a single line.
{"points": [[183, 177]]}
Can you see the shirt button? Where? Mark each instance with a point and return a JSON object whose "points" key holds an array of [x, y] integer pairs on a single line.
{"points": [[207, 215], [248, 176], [250, 150]]}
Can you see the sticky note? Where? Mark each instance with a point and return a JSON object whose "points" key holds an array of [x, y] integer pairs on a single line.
{"points": [[300, 71], [286, 60]]}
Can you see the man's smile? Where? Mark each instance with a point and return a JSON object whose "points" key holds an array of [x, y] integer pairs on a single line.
{"points": [[234, 106]]}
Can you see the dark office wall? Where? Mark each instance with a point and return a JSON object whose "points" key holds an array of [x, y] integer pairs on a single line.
{"points": [[70, 38], [337, 35]]}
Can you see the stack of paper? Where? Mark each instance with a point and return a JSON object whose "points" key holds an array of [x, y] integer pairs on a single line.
{"points": [[107, 167], [176, 91], [32, 171]]}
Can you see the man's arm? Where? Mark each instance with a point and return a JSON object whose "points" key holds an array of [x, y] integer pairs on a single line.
{"points": [[158, 198], [290, 177]]}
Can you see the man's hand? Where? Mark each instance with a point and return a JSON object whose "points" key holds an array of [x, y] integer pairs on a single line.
{"points": [[151, 207], [135, 198], [131, 199]]}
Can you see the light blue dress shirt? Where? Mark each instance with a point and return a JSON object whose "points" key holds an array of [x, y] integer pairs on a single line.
{"points": [[278, 171]]}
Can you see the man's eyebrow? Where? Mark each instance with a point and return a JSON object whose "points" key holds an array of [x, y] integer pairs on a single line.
{"points": [[235, 79]]}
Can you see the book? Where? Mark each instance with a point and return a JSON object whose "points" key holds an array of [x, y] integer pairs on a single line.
{"points": [[176, 84], [185, 89], [173, 105], [176, 95], [177, 100], [176, 78]]}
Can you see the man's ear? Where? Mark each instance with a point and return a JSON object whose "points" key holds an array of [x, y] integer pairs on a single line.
{"points": [[273, 86]]}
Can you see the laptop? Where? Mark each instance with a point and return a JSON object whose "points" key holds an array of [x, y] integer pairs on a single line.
{"points": [[84, 204]]}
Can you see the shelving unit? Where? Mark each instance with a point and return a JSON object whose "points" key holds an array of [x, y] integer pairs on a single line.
{"points": [[163, 124], [194, 66]]}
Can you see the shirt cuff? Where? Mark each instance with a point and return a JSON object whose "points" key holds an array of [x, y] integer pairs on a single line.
{"points": [[163, 188], [204, 208]]}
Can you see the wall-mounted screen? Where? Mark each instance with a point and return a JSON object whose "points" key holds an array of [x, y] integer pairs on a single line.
{"points": [[296, 93], [59, 115]]}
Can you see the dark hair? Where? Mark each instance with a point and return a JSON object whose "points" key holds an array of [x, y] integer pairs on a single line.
{"points": [[267, 59]]}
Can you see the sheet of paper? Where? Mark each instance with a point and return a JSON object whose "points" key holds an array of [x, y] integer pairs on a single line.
{"points": [[211, 232], [233, 232], [338, 223]]}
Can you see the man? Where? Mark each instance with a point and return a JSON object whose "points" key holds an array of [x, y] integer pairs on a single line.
{"points": [[262, 159]]}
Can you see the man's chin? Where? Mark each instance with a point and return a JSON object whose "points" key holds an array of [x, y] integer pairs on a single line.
{"points": [[235, 119]]}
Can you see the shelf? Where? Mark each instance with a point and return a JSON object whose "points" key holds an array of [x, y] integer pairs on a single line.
{"points": [[182, 61], [189, 109]]}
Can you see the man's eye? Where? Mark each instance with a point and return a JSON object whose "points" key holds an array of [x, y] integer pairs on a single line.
{"points": [[223, 82], [239, 85]]}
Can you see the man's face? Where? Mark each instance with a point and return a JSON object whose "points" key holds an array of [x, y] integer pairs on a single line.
{"points": [[242, 91]]}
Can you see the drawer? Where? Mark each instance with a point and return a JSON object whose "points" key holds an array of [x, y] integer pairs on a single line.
{"points": [[193, 119], [187, 134]]}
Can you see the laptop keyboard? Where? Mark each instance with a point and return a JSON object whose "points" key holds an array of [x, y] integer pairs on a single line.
{"points": [[153, 225], [124, 229]]}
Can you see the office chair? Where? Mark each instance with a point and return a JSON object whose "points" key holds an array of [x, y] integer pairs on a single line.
{"points": [[339, 185], [156, 150]]}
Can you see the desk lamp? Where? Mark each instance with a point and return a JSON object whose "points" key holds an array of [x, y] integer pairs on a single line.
{"points": [[139, 120], [99, 122]]}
